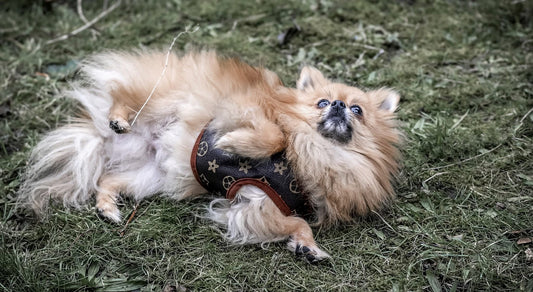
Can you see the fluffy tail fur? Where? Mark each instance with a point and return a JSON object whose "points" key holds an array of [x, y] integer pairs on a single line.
{"points": [[66, 164]]}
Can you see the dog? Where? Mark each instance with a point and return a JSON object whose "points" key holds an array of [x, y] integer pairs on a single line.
{"points": [[339, 143]]}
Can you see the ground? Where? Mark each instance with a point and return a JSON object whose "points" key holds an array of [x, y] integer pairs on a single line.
{"points": [[463, 217]]}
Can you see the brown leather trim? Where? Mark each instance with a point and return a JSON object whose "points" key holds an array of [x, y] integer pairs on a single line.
{"points": [[272, 194], [193, 157]]}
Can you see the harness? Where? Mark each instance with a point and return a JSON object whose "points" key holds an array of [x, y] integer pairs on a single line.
{"points": [[224, 173]]}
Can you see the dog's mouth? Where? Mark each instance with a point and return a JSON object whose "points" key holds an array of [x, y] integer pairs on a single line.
{"points": [[336, 125]]}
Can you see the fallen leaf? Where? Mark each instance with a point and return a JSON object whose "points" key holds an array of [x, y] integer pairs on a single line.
{"points": [[525, 240], [46, 76], [515, 232]]}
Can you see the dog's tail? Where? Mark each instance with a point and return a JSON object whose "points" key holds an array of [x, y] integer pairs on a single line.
{"points": [[66, 164]]}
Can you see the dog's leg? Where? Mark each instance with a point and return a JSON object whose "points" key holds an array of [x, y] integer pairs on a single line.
{"points": [[263, 140], [107, 196], [118, 118], [254, 218], [301, 240], [300, 235]]}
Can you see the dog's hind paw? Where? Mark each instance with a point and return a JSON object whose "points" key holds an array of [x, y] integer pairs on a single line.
{"points": [[312, 254], [120, 126], [109, 212]]}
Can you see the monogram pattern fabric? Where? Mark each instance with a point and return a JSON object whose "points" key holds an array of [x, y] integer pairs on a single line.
{"points": [[223, 173]]}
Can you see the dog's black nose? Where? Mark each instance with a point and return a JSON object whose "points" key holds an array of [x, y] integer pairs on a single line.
{"points": [[339, 104]]}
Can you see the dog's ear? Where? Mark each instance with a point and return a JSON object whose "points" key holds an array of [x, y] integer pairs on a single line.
{"points": [[310, 79], [387, 99]]}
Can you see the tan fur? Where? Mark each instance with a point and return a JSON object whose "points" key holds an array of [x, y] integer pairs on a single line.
{"points": [[360, 181], [256, 116], [203, 73]]}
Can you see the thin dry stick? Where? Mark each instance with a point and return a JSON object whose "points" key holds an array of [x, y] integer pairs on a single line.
{"points": [[123, 231], [162, 72], [525, 116], [133, 213], [460, 120], [79, 7], [433, 176], [87, 25]]}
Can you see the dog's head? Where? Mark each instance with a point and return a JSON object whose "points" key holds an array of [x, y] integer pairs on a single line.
{"points": [[342, 113], [346, 146]]}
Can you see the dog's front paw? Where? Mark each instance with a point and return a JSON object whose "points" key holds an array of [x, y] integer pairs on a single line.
{"points": [[311, 253], [227, 143], [245, 142], [119, 125]]}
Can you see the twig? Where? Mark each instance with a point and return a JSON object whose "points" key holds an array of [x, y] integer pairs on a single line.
{"points": [[466, 160], [123, 231], [162, 72], [79, 8], [424, 183], [521, 123], [525, 116], [380, 51], [369, 47], [460, 120], [87, 25]]}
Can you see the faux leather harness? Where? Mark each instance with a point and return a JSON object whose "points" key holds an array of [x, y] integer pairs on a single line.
{"points": [[224, 173]]}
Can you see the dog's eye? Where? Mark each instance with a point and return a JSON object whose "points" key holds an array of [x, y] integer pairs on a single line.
{"points": [[322, 103], [356, 110]]}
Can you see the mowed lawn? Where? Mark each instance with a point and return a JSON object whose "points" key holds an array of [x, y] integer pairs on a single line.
{"points": [[463, 219]]}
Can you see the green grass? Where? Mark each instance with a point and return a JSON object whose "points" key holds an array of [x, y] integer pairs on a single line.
{"points": [[464, 70]]}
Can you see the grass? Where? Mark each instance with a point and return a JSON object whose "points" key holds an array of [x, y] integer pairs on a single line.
{"points": [[465, 194]]}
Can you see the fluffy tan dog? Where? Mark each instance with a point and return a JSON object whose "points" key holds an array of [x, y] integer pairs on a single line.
{"points": [[340, 142]]}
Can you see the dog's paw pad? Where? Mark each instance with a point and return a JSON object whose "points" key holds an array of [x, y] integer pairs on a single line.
{"points": [[109, 212], [119, 126], [311, 255]]}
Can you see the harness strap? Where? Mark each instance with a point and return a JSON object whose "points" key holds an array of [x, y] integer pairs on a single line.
{"points": [[193, 155], [271, 193]]}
